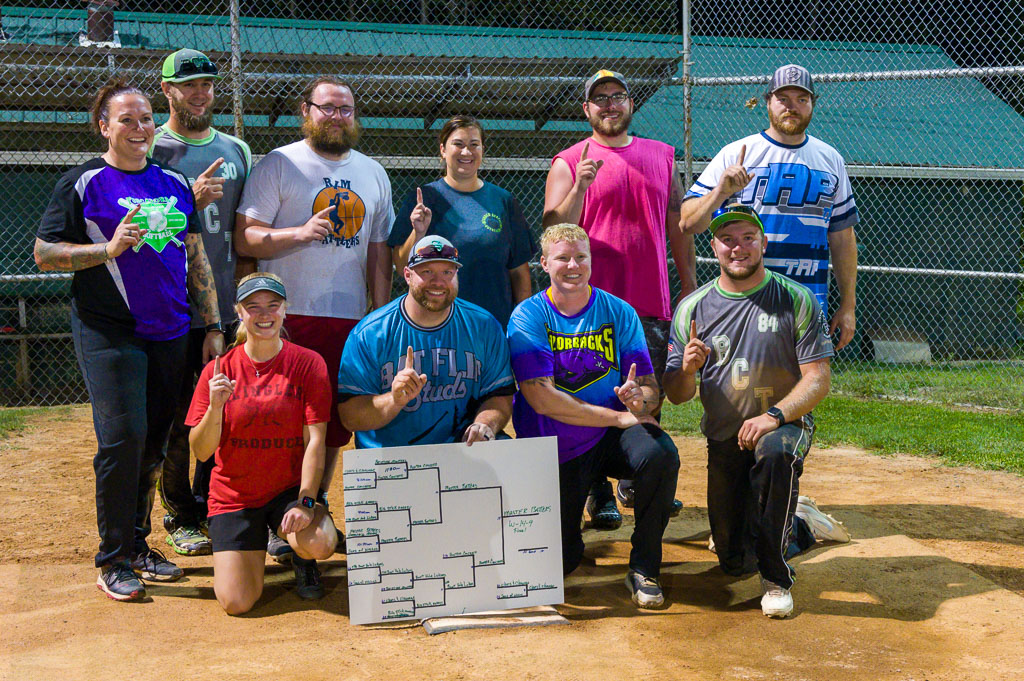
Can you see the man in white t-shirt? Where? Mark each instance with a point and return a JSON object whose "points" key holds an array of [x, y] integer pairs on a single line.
{"points": [[317, 213]]}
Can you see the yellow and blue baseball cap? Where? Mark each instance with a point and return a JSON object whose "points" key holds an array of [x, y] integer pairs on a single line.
{"points": [[603, 76], [186, 65], [731, 213]]}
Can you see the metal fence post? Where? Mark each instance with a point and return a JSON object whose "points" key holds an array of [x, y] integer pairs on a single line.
{"points": [[236, 65], [687, 100]]}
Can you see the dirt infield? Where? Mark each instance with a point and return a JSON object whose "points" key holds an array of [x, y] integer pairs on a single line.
{"points": [[932, 587]]}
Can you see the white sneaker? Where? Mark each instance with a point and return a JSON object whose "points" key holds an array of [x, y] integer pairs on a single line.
{"points": [[711, 544], [823, 526], [776, 601]]}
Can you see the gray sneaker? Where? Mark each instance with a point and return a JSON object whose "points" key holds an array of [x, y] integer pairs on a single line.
{"points": [[189, 540], [646, 592], [154, 566], [823, 526], [120, 582], [279, 549]]}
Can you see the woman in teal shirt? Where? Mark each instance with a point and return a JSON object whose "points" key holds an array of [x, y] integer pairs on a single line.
{"points": [[484, 221]]}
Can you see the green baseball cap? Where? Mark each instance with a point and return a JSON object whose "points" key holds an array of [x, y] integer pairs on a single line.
{"points": [[186, 65], [733, 212]]}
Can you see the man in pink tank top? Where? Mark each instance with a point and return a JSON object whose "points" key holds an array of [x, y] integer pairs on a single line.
{"points": [[625, 193]]}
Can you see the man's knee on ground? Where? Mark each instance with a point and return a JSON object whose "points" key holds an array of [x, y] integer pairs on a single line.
{"points": [[237, 602]]}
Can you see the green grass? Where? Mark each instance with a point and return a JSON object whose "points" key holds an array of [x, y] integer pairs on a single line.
{"points": [[958, 437], [15, 420], [988, 384]]}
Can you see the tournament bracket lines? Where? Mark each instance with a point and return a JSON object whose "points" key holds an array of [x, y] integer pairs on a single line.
{"points": [[448, 529]]}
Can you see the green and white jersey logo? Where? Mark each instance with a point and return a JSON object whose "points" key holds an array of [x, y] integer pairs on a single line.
{"points": [[160, 218]]}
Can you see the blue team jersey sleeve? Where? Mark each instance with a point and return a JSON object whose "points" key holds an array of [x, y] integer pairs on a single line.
{"points": [[528, 347], [359, 372], [633, 344], [497, 370]]}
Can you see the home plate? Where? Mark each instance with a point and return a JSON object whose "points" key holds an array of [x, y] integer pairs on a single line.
{"points": [[541, 615]]}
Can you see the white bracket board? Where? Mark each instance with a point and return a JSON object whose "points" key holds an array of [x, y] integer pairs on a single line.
{"points": [[435, 530]]}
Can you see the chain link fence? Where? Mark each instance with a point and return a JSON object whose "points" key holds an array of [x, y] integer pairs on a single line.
{"points": [[923, 99]]}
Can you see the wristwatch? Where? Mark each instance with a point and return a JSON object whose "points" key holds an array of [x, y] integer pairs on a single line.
{"points": [[216, 326], [308, 502], [777, 414]]}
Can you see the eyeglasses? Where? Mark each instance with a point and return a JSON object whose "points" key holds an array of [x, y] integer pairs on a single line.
{"points": [[329, 109], [196, 65], [602, 100]]}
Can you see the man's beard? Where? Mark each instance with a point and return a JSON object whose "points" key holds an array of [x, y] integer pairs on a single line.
{"points": [[611, 127], [419, 294], [789, 125], [189, 120], [328, 138], [745, 273]]}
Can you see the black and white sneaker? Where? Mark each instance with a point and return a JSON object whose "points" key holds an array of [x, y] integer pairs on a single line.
{"points": [[308, 585], [155, 567], [646, 592], [279, 549]]}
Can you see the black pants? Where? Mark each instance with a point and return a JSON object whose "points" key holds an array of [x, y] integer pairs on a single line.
{"points": [[131, 384], [186, 501], [752, 498], [642, 453]]}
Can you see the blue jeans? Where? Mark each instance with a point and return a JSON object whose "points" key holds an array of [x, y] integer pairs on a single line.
{"points": [[644, 454], [132, 386]]}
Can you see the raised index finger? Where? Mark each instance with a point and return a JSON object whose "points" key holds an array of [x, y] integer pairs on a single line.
{"points": [[419, 196], [410, 360], [743, 153], [693, 329], [216, 365], [586, 148], [213, 168], [131, 214], [631, 376]]}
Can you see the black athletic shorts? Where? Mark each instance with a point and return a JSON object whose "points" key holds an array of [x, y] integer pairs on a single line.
{"points": [[246, 530]]}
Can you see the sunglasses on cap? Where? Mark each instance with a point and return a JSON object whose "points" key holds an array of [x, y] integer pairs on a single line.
{"points": [[195, 66], [435, 251], [733, 212]]}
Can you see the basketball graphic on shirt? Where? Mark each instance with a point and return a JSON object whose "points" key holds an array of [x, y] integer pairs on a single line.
{"points": [[347, 210]]}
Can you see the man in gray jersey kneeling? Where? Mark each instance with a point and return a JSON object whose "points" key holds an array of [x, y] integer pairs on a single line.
{"points": [[761, 346]]}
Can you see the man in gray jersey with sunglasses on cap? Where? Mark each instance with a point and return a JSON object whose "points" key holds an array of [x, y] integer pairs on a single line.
{"points": [[216, 165], [760, 344]]}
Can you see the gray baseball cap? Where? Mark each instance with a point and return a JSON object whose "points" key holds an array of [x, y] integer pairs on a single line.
{"points": [[251, 286], [791, 75], [603, 76], [432, 248], [188, 64]]}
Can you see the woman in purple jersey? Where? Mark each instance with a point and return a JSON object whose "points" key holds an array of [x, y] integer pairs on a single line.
{"points": [[127, 228]]}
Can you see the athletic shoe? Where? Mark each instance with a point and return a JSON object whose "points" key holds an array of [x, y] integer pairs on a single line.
{"points": [[605, 517], [340, 546], [204, 527], [307, 579], [120, 582], [823, 526], [711, 544], [776, 601], [624, 493], [646, 592], [154, 566], [190, 541], [170, 523], [279, 549]]}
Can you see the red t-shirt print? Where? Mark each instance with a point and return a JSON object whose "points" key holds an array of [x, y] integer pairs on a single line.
{"points": [[261, 447]]}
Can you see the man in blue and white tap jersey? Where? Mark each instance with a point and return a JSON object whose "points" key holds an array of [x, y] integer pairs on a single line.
{"points": [[428, 367], [799, 187], [585, 376]]}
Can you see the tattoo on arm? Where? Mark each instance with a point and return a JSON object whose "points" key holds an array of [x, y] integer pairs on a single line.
{"points": [[675, 197], [200, 279], [66, 257], [540, 380], [648, 381]]}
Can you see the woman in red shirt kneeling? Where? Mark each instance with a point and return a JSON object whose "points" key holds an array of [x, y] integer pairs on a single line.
{"points": [[261, 410]]}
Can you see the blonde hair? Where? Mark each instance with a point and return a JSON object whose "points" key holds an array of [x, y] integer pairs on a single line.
{"points": [[240, 334], [562, 232]]}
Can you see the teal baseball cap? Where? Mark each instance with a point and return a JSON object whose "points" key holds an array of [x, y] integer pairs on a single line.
{"points": [[251, 286], [733, 212], [186, 65]]}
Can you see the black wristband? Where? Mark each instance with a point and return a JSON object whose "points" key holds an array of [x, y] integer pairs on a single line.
{"points": [[216, 326], [777, 414]]}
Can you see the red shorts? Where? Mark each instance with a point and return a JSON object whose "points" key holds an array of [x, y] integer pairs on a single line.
{"points": [[326, 336]]}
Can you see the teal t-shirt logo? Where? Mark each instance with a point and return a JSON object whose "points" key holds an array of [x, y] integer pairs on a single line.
{"points": [[161, 220]]}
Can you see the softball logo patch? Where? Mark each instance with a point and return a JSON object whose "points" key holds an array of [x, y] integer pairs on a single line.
{"points": [[160, 218], [492, 222], [347, 212]]}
